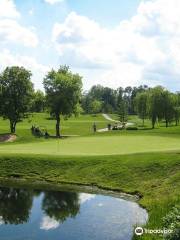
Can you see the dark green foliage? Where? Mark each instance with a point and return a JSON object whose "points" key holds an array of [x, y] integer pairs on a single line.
{"points": [[106, 97], [122, 105], [172, 222], [15, 95], [141, 104], [15, 205], [63, 93], [131, 128], [61, 205], [158, 104], [38, 102]]}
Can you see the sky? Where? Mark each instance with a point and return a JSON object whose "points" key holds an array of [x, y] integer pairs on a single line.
{"points": [[109, 42]]}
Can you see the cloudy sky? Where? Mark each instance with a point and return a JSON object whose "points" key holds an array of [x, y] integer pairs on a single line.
{"points": [[113, 42]]}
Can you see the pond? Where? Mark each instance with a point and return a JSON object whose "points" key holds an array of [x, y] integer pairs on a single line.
{"points": [[35, 214]]}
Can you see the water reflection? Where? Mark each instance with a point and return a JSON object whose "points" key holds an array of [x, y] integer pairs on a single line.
{"points": [[60, 205], [35, 214], [15, 205]]}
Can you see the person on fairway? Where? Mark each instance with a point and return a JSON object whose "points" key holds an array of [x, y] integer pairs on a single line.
{"points": [[109, 126], [94, 127]]}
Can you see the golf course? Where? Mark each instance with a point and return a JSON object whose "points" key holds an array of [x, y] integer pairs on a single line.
{"points": [[144, 162]]}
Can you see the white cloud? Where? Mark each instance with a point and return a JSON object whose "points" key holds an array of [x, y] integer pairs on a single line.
{"points": [[38, 70], [100, 204], [12, 31], [48, 223], [53, 1], [8, 9], [1, 220], [84, 197], [144, 49]]}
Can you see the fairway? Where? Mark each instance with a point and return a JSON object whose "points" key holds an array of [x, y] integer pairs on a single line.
{"points": [[101, 145]]}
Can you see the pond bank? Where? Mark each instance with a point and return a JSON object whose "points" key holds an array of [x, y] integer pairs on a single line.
{"points": [[71, 187], [155, 176]]}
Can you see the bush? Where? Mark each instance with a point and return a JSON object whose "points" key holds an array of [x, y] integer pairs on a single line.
{"points": [[172, 222], [132, 128]]}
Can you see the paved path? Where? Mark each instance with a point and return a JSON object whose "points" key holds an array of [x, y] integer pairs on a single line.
{"points": [[107, 117]]}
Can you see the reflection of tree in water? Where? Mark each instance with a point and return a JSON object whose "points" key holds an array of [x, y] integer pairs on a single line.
{"points": [[15, 205], [60, 205]]}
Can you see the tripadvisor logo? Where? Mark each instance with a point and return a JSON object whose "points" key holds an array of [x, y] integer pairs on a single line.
{"points": [[140, 231]]}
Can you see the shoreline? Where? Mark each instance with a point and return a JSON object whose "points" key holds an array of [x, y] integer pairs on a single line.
{"points": [[70, 186]]}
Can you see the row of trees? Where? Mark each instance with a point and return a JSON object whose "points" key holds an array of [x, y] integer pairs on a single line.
{"points": [[158, 104], [104, 99], [63, 97], [18, 98]]}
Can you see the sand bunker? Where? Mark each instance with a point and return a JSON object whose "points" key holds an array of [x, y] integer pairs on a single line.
{"points": [[7, 138]]}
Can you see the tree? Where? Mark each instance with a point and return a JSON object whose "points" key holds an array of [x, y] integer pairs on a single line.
{"points": [[95, 106], [177, 107], [15, 205], [134, 93], [63, 91], [127, 95], [123, 111], [155, 104], [122, 106], [38, 103], [61, 205], [168, 106], [177, 114], [104, 95], [16, 94], [141, 102]]}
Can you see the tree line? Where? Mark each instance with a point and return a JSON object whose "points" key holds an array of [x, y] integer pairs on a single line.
{"points": [[63, 97], [156, 104]]}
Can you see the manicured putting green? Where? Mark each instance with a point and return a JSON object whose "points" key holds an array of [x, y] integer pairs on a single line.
{"points": [[105, 145]]}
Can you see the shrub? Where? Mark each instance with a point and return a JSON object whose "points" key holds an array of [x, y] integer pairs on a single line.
{"points": [[131, 128], [172, 222]]}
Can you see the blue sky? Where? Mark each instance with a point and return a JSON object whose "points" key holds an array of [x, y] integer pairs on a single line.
{"points": [[113, 42], [44, 16]]}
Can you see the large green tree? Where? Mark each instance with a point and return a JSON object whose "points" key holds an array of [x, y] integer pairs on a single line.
{"points": [[161, 105], [141, 105], [63, 91], [155, 104], [16, 91], [168, 103]]}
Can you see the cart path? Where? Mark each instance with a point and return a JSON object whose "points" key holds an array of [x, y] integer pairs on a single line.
{"points": [[107, 117]]}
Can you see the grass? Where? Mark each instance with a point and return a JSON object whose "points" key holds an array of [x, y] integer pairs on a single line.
{"points": [[145, 162], [102, 145]]}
